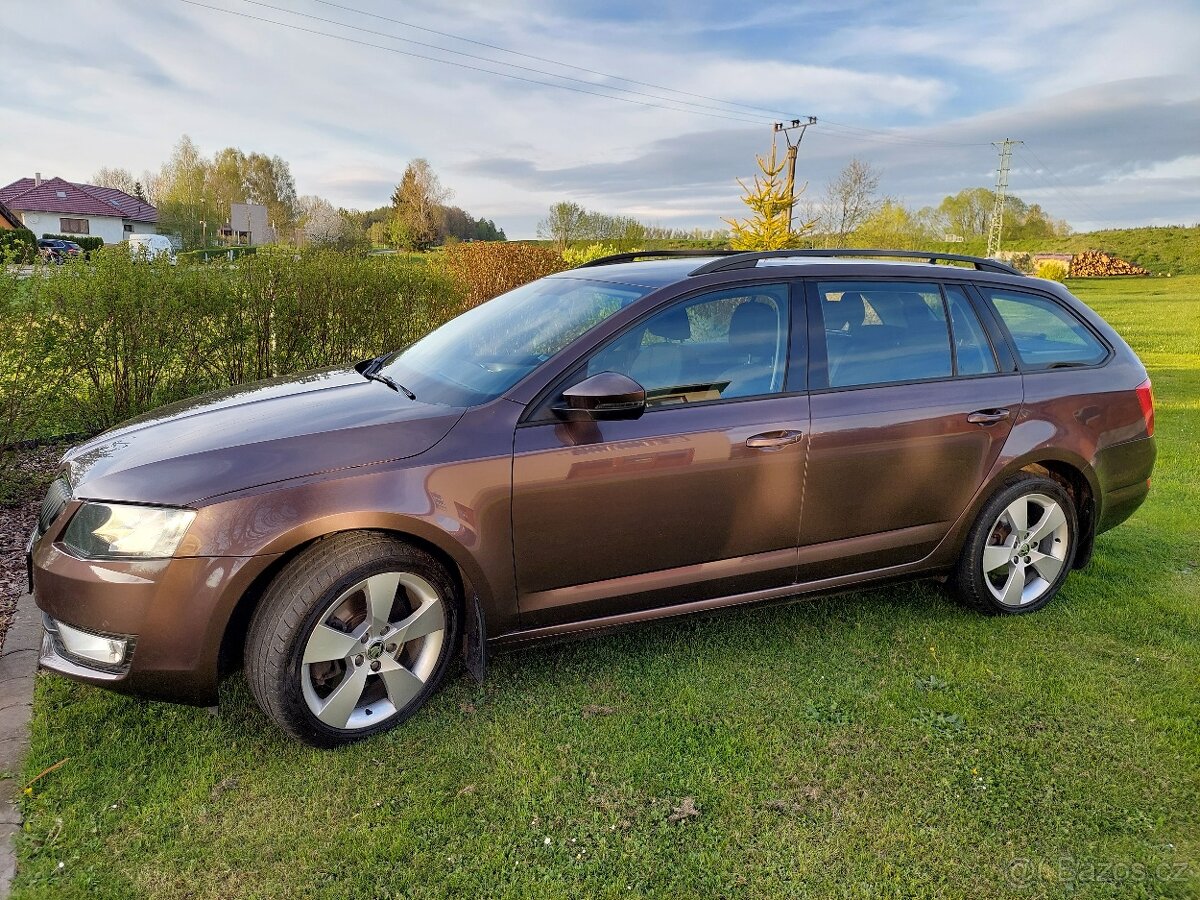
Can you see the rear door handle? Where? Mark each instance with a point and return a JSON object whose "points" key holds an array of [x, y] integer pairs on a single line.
{"points": [[773, 440], [988, 416]]}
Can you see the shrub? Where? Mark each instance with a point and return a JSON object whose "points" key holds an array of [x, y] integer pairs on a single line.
{"points": [[84, 241], [1052, 270], [487, 269], [17, 245], [577, 256], [210, 254], [85, 347]]}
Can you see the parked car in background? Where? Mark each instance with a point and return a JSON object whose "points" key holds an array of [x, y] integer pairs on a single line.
{"points": [[151, 245], [634, 439], [56, 251]]}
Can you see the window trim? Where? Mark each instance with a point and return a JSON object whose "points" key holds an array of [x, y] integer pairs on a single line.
{"points": [[530, 418], [1026, 368]]}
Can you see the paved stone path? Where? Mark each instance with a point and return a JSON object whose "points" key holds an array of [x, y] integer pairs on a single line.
{"points": [[18, 668]]}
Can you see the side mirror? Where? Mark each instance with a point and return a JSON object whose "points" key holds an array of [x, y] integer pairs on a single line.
{"points": [[608, 395]]}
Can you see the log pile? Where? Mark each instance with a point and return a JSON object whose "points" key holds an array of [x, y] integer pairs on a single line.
{"points": [[1098, 264]]}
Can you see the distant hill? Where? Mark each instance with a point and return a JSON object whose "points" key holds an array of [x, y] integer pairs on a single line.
{"points": [[1162, 250]]}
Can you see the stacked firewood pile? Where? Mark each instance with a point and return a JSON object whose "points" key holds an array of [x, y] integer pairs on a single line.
{"points": [[1098, 264]]}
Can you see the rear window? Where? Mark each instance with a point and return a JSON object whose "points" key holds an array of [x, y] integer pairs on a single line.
{"points": [[1046, 335]]}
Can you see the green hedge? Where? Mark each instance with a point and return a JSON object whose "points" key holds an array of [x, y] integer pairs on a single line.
{"points": [[17, 245], [85, 347], [215, 253], [87, 243]]}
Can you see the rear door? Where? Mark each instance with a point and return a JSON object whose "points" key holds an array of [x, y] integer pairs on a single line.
{"points": [[698, 498], [910, 407]]}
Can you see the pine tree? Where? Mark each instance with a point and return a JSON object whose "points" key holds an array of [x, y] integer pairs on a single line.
{"points": [[770, 202]]}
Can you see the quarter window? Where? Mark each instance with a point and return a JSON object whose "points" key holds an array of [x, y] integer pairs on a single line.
{"points": [[713, 347], [1045, 334], [881, 332]]}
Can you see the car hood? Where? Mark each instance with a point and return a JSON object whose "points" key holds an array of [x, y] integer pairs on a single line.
{"points": [[255, 434]]}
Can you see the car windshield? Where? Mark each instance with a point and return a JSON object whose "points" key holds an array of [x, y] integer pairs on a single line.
{"points": [[479, 355]]}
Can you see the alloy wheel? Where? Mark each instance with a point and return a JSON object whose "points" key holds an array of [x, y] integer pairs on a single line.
{"points": [[372, 650], [1026, 550]]}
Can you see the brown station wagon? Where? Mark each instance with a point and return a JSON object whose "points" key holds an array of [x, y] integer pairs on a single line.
{"points": [[634, 439]]}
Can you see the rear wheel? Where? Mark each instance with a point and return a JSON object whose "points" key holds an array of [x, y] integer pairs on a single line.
{"points": [[351, 638], [1020, 549]]}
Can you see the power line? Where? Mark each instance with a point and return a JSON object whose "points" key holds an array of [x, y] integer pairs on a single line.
{"points": [[460, 65], [496, 62], [555, 62], [1033, 159]]}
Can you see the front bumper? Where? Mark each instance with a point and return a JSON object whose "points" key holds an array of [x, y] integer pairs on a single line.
{"points": [[171, 612]]}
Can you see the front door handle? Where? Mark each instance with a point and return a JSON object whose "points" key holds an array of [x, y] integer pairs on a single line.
{"points": [[988, 416], [773, 440]]}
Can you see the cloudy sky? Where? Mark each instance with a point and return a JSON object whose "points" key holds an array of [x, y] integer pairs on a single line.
{"points": [[1106, 96]]}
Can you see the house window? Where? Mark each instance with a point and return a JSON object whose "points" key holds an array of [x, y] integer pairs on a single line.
{"points": [[73, 226]]}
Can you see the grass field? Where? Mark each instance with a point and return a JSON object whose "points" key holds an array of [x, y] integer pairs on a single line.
{"points": [[884, 743]]}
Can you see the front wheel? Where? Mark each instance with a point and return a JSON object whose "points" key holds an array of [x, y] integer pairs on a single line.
{"points": [[351, 638], [1020, 549]]}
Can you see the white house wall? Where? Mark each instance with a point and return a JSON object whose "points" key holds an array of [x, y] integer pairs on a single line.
{"points": [[111, 228]]}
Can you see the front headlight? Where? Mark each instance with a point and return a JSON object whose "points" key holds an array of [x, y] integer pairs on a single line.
{"points": [[117, 531]]}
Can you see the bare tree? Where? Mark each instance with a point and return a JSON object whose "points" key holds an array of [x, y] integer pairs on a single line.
{"points": [[849, 200], [115, 177]]}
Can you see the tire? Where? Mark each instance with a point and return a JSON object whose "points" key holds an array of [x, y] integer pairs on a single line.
{"points": [[323, 659], [1025, 572]]}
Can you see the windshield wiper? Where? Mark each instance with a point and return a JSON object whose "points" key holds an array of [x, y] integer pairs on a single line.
{"points": [[371, 372]]}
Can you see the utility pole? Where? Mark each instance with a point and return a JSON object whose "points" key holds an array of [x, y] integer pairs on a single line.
{"points": [[790, 158], [997, 230]]}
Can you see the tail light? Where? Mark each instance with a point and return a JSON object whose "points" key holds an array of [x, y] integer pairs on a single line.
{"points": [[1146, 400]]}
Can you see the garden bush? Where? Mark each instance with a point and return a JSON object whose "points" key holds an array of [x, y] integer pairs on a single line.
{"points": [[88, 244], [1052, 270], [486, 269], [84, 347], [577, 256], [17, 245], [209, 254]]}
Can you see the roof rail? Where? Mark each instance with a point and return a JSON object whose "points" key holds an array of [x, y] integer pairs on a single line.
{"points": [[749, 260], [615, 258]]}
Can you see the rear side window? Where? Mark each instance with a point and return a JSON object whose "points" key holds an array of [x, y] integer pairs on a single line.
{"points": [[1046, 335], [883, 332], [971, 347]]}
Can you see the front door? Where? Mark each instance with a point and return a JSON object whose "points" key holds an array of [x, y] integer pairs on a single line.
{"points": [[700, 497], [910, 409]]}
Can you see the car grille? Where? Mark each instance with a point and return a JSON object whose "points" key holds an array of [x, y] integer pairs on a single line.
{"points": [[56, 501]]}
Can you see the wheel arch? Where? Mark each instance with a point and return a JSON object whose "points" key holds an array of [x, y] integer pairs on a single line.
{"points": [[237, 623]]}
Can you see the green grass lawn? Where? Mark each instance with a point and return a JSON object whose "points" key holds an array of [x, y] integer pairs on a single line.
{"points": [[884, 743]]}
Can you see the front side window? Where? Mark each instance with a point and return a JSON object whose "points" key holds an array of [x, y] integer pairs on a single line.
{"points": [[883, 332], [1045, 334], [481, 354], [716, 346]]}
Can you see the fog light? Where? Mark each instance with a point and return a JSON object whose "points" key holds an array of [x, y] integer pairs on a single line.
{"points": [[103, 650]]}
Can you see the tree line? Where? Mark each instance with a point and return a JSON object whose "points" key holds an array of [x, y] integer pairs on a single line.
{"points": [[194, 193]]}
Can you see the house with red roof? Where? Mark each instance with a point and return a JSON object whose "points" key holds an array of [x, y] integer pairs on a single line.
{"points": [[55, 206]]}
